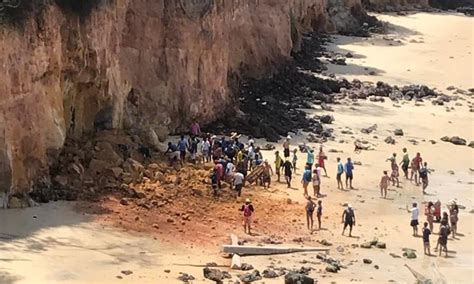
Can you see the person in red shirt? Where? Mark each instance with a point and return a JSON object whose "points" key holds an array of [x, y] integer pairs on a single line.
{"points": [[247, 210], [321, 158]]}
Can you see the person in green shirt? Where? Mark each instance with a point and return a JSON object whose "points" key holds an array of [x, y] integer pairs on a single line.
{"points": [[405, 163]]}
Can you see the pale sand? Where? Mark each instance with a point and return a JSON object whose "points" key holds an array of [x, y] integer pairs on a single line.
{"points": [[61, 246], [441, 57]]}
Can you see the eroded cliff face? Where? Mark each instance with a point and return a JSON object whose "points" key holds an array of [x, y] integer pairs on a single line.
{"points": [[146, 65]]}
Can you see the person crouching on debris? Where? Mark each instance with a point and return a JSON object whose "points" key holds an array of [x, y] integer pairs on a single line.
{"points": [[172, 152], [247, 210]]}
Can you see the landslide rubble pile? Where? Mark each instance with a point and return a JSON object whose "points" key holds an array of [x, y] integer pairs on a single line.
{"points": [[117, 164]]}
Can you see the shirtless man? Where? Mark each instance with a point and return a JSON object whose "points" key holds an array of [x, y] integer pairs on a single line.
{"points": [[384, 184], [267, 175], [416, 164], [394, 166]]}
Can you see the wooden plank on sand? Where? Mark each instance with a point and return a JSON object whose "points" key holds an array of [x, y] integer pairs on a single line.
{"points": [[267, 250]]}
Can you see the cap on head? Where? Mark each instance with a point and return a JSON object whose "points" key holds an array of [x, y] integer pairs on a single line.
{"points": [[288, 137], [349, 206], [247, 200]]}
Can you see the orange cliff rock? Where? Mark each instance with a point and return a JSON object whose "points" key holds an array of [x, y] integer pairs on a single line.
{"points": [[151, 66]]}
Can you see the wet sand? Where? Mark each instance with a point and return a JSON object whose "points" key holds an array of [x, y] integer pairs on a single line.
{"points": [[62, 246]]}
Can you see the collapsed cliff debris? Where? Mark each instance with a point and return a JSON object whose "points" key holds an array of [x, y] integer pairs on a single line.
{"points": [[115, 164], [273, 107]]}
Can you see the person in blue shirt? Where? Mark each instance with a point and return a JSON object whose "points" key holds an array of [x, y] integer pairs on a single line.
{"points": [[310, 159], [349, 175], [340, 171], [182, 147], [306, 179]]}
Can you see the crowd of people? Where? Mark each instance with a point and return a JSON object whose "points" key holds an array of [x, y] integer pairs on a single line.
{"points": [[237, 163]]}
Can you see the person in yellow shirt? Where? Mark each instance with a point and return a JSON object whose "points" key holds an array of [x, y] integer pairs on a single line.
{"points": [[278, 163], [240, 156]]}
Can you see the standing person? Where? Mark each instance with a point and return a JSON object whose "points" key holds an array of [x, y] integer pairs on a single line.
{"points": [[321, 158], [287, 167], [429, 212], [316, 183], [340, 171], [453, 216], [319, 212], [416, 164], [182, 146], [286, 147], [193, 148], [444, 232], [318, 171], [267, 175], [310, 205], [405, 163], [295, 159], [195, 128], [206, 148], [384, 184], [424, 176], [220, 172], [414, 218], [394, 167], [426, 238], [348, 218], [247, 210], [306, 179], [240, 156], [214, 183], [278, 163], [310, 159], [251, 156], [238, 183], [229, 169], [349, 167]]}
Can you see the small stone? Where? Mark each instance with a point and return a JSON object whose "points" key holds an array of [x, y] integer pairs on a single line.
{"points": [[246, 266], [390, 140], [170, 220], [126, 272], [398, 132], [367, 261], [376, 266], [124, 201], [167, 271], [381, 245]]}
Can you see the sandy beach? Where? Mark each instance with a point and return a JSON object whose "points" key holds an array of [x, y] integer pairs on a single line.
{"points": [[56, 244]]}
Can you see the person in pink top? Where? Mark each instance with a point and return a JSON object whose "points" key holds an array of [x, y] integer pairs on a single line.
{"points": [[195, 128], [219, 168]]}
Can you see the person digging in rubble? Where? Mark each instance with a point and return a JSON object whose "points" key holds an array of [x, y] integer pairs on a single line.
{"points": [[172, 153], [247, 209]]}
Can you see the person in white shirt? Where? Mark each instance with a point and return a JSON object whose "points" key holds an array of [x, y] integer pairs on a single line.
{"points": [[205, 148], [230, 168], [414, 218], [238, 182]]}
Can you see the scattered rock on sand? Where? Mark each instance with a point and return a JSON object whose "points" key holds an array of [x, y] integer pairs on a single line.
{"points": [[390, 140], [394, 255], [215, 274], [267, 147], [367, 261], [332, 268], [326, 119], [398, 132], [381, 245], [186, 277], [126, 272], [250, 277], [246, 266], [409, 253], [298, 278], [471, 144], [456, 140], [369, 130], [268, 273]]}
